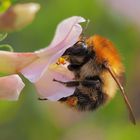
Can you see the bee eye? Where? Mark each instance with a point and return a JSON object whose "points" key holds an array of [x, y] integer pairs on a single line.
{"points": [[79, 51]]}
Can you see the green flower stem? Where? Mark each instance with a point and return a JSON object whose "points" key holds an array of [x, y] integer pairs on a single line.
{"points": [[6, 46]]}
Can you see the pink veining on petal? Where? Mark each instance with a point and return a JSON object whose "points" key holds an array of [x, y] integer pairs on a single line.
{"points": [[11, 62], [10, 87]]}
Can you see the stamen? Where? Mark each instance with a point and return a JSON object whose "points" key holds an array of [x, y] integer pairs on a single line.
{"points": [[61, 60]]}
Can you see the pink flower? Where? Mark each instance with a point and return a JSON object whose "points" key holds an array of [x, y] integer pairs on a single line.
{"points": [[40, 66]]}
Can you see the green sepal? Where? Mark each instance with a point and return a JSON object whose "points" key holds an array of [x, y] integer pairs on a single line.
{"points": [[6, 47], [3, 36]]}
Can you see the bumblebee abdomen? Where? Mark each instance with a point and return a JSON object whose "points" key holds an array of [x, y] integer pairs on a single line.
{"points": [[83, 101], [109, 85]]}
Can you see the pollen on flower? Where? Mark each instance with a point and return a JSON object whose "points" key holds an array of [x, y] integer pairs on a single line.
{"points": [[61, 60]]}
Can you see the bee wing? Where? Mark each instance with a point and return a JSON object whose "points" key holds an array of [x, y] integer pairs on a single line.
{"points": [[131, 115]]}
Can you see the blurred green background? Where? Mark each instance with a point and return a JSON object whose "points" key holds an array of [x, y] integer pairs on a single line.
{"points": [[30, 119]]}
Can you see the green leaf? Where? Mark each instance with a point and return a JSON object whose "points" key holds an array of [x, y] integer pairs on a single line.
{"points": [[4, 5], [3, 36], [6, 47]]}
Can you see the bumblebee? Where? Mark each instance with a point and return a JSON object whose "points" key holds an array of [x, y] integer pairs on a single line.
{"points": [[98, 73]]}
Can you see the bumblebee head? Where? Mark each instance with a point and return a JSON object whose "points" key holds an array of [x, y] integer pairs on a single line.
{"points": [[78, 54]]}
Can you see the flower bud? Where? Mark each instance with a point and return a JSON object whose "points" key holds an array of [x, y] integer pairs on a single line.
{"points": [[18, 16]]}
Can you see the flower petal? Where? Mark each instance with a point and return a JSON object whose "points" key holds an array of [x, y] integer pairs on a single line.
{"points": [[37, 69], [11, 62], [34, 71], [67, 34], [51, 90], [10, 87]]}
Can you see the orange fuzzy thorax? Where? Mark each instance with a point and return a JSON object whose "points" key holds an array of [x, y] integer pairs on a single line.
{"points": [[105, 51]]}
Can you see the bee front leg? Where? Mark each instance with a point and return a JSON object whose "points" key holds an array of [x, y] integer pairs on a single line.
{"points": [[69, 83], [87, 83], [42, 99]]}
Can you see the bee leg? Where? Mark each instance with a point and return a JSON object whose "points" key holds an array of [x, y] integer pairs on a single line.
{"points": [[73, 67], [42, 99], [87, 83], [69, 83], [91, 84]]}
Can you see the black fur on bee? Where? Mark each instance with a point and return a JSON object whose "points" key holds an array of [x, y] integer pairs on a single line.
{"points": [[93, 61], [78, 56], [88, 90], [91, 99], [85, 102]]}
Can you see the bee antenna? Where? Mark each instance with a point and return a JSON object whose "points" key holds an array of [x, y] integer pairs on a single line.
{"points": [[86, 26], [82, 37]]}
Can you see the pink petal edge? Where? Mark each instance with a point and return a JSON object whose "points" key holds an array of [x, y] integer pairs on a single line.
{"points": [[67, 33], [10, 87], [12, 62]]}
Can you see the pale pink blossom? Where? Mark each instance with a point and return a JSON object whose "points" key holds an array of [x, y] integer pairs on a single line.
{"points": [[40, 66]]}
